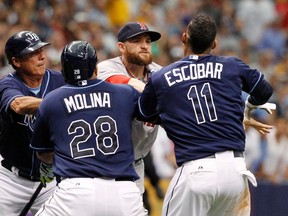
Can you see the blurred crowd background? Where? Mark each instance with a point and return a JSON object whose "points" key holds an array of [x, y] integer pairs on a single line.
{"points": [[256, 31]]}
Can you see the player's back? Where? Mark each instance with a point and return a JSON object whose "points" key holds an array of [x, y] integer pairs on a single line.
{"points": [[200, 103], [90, 129]]}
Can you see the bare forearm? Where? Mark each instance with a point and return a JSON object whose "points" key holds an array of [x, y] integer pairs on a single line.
{"points": [[25, 105], [137, 84]]}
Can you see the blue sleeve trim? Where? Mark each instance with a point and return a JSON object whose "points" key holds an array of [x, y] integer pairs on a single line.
{"points": [[41, 149], [260, 77], [9, 102], [141, 112]]}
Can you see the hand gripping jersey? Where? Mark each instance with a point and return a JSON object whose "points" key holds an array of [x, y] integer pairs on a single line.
{"points": [[16, 129], [143, 133]]}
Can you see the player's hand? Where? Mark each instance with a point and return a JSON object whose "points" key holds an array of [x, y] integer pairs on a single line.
{"points": [[46, 173], [260, 127]]}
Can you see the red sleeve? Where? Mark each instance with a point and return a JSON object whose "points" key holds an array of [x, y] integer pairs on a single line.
{"points": [[118, 79]]}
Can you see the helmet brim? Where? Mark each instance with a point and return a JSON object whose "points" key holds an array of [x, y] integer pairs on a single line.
{"points": [[31, 49]]}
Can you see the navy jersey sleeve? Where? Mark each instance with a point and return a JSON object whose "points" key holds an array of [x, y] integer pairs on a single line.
{"points": [[9, 89], [254, 84], [147, 105]]}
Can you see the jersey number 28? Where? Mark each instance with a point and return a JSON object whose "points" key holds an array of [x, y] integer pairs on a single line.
{"points": [[106, 142]]}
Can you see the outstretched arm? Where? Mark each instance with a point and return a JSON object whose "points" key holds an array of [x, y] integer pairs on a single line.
{"points": [[25, 105], [122, 79]]}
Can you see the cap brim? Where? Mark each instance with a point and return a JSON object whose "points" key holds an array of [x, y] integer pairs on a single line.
{"points": [[33, 48], [153, 35]]}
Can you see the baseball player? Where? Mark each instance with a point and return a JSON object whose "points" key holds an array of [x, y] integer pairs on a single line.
{"points": [[198, 99], [21, 92], [84, 128], [134, 67]]}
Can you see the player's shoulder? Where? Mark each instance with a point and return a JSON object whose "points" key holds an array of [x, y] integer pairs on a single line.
{"points": [[153, 67], [122, 89], [227, 59], [10, 80], [119, 87], [110, 62], [9, 76], [110, 67], [54, 75]]}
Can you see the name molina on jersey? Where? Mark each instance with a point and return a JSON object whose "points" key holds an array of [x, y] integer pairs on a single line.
{"points": [[87, 101], [194, 71]]}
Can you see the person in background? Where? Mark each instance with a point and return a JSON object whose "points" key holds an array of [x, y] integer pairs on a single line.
{"points": [[199, 102], [21, 93]]}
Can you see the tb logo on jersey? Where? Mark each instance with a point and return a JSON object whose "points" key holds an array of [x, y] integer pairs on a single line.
{"points": [[28, 121]]}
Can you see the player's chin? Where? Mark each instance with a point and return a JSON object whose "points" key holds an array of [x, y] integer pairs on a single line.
{"points": [[145, 54], [40, 70], [146, 59]]}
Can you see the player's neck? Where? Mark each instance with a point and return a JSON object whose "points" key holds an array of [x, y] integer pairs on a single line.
{"points": [[135, 71], [32, 82]]}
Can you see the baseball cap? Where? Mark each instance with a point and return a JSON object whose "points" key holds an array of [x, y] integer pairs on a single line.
{"points": [[132, 29]]}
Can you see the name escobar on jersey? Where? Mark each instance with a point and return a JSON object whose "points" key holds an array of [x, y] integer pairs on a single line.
{"points": [[87, 101], [194, 71]]}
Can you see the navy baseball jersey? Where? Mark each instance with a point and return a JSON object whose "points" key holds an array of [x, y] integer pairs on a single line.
{"points": [[16, 129], [89, 130], [200, 105]]}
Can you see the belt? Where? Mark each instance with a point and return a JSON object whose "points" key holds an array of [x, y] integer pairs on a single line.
{"points": [[60, 178], [124, 179], [137, 161], [236, 154], [19, 172]]}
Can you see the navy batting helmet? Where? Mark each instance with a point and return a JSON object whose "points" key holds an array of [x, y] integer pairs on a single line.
{"points": [[78, 61], [23, 43]]}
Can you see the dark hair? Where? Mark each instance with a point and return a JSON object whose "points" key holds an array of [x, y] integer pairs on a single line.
{"points": [[201, 33]]}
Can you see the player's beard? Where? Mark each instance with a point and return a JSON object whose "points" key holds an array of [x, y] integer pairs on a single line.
{"points": [[137, 59]]}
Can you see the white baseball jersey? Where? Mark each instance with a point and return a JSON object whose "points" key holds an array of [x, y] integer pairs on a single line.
{"points": [[143, 134]]}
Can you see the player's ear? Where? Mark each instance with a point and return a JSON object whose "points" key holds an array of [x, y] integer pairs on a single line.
{"points": [[121, 46], [96, 71], [214, 45], [15, 62], [184, 38]]}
